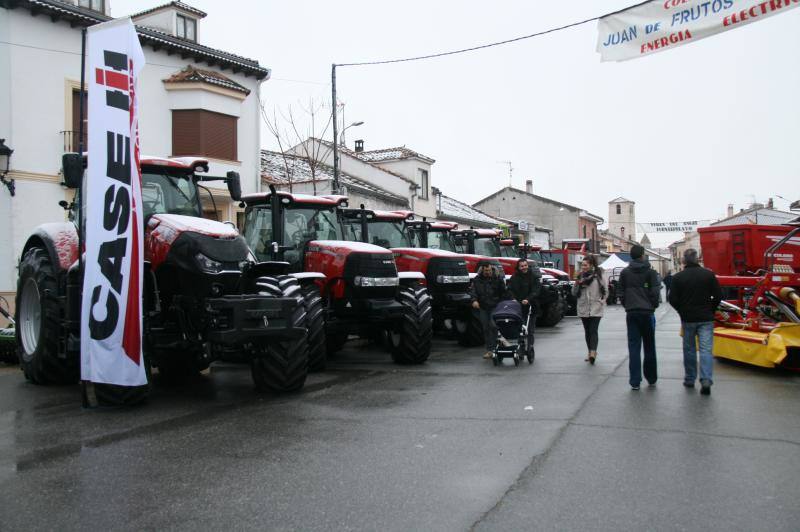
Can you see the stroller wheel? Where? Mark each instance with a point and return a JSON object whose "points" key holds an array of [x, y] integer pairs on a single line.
{"points": [[496, 360], [516, 359], [531, 355]]}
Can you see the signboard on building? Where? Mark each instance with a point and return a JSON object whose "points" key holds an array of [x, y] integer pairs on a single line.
{"points": [[665, 24], [523, 225]]}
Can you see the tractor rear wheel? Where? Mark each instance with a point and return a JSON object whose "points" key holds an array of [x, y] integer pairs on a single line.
{"points": [[469, 331], [282, 365], [113, 395], [315, 323], [410, 340], [38, 316]]}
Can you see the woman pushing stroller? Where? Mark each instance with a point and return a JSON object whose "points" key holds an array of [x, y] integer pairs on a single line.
{"points": [[591, 289]]}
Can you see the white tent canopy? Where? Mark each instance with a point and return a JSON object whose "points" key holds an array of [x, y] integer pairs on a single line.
{"points": [[613, 262]]}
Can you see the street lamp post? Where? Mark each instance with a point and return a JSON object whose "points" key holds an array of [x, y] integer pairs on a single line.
{"points": [[341, 137]]}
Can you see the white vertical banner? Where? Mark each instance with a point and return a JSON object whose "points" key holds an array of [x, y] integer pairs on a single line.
{"points": [[111, 313], [664, 24]]}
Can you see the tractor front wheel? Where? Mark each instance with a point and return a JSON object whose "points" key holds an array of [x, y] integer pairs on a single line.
{"points": [[410, 340], [282, 365], [315, 323], [469, 329], [38, 328]]}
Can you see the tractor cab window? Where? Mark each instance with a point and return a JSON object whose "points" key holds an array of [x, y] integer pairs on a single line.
{"points": [[163, 193], [388, 234], [507, 252], [258, 231], [306, 224], [535, 256], [352, 229], [487, 246], [461, 243], [440, 240]]}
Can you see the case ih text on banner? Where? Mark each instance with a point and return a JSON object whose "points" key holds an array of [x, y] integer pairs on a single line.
{"points": [[111, 314], [663, 24]]}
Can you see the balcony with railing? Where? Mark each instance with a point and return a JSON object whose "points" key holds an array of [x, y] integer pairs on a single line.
{"points": [[71, 143]]}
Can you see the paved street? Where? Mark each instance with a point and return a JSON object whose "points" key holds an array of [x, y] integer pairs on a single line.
{"points": [[446, 446]]}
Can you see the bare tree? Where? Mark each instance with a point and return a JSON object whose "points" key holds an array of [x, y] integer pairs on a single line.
{"points": [[302, 131]]}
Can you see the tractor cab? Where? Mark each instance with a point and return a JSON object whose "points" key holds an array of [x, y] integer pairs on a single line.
{"points": [[431, 235], [381, 228]]}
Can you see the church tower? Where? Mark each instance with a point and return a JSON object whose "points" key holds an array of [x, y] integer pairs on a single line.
{"points": [[622, 218]]}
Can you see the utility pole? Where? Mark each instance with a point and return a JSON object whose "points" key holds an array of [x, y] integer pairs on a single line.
{"points": [[335, 132]]}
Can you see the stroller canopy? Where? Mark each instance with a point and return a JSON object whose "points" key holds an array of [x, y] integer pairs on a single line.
{"points": [[510, 309]]}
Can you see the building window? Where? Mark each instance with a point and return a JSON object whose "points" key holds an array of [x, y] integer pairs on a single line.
{"points": [[205, 133], [94, 5], [187, 28], [423, 183], [619, 209], [71, 138]]}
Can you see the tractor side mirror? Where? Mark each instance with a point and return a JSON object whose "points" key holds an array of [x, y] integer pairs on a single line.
{"points": [[234, 185], [72, 165]]}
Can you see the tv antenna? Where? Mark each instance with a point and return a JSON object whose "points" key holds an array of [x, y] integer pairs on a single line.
{"points": [[510, 170]]}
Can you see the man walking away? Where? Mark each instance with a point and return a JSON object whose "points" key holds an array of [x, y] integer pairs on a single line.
{"points": [[696, 294], [668, 282], [639, 290], [487, 290]]}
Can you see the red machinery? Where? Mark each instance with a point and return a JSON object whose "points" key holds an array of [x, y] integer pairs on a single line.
{"points": [[482, 243], [362, 291], [446, 275], [204, 297], [759, 270]]}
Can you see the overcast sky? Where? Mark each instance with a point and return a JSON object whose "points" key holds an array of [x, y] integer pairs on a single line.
{"points": [[682, 133]]}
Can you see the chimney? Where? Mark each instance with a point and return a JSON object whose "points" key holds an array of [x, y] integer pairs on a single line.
{"points": [[529, 186], [730, 210], [359, 146]]}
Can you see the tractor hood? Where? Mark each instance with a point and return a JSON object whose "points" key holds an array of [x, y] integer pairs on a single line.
{"points": [[424, 253], [180, 238]]}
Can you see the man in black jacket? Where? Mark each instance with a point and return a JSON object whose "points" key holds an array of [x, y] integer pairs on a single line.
{"points": [[525, 285], [639, 289], [487, 290], [696, 295]]}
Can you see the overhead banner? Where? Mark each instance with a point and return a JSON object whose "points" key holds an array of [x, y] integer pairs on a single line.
{"points": [[664, 24], [671, 227], [111, 313]]}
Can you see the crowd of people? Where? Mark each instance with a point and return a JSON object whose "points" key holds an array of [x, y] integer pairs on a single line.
{"points": [[694, 292]]}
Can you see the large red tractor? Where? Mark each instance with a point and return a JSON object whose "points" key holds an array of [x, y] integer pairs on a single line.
{"points": [[204, 297], [484, 243], [446, 274], [361, 289]]}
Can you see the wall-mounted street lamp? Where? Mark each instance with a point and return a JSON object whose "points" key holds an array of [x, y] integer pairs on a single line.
{"points": [[341, 137], [5, 161]]}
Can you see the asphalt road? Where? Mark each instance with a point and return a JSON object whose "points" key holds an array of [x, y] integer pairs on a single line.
{"points": [[454, 444]]}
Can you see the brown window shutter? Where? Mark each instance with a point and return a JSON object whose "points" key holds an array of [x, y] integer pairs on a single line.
{"points": [[200, 132]]}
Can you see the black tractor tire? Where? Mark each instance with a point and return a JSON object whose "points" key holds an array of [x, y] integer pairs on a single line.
{"points": [[334, 342], [469, 332], [281, 365], [410, 340], [38, 317], [552, 313], [315, 324]]}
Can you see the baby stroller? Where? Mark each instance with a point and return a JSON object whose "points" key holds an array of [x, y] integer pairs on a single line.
{"points": [[512, 333]]}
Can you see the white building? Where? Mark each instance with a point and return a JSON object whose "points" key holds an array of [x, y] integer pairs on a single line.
{"points": [[185, 89], [622, 218], [400, 171]]}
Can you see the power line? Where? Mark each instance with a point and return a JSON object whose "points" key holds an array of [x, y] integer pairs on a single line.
{"points": [[490, 45]]}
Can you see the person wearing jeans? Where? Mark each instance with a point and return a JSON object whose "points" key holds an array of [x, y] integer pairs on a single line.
{"points": [[639, 289], [487, 290], [696, 294]]}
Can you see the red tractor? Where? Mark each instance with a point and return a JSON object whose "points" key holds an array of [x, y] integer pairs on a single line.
{"points": [[484, 243], [362, 292], [550, 275], [204, 297], [445, 272]]}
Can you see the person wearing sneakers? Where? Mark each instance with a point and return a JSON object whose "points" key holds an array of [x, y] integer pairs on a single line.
{"points": [[591, 290], [487, 290], [639, 289], [696, 294]]}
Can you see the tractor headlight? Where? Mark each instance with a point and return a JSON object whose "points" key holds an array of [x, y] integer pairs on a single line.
{"points": [[452, 279], [207, 264], [376, 281]]}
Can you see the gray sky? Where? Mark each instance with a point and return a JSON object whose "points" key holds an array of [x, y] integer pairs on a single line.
{"points": [[682, 133]]}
